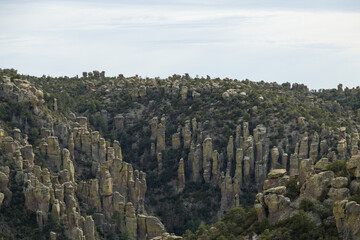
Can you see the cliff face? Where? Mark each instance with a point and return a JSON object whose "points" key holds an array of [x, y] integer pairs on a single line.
{"points": [[100, 156], [319, 188], [85, 187]]}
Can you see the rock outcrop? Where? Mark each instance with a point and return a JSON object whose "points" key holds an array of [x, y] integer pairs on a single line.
{"points": [[347, 219], [181, 176], [273, 204], [317, 186]]}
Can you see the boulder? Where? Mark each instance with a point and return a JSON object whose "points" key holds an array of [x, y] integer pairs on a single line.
{"points": [[339, 182], [355, 186], [154, 227], [321, 165], [347, 219], [353, 166], [338, 193], [276, 173], [317, 186], [278, 206]]}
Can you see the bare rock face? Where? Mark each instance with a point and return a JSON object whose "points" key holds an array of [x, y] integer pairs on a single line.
{"points": [[160, 143], [68, 164], [339, 190], [194, 126], [323, 147], [355, 186], [107, 185], [195, 94], [28, 154], [276, 178], [238, 138], [249, 153], [207, 156], [304, 148], [276, 173], [117, 150], [82, 122], [273, 205], [227, 193], [4, 180], [142, 91], [274, 157], [119, 122], [215, 165], [55, 211], [175, 140], [186, 133], [314, 147], [347, 219], [141, 224], [37, 196], [321, 165], [2, 196], [131, 221], [52, 236], [102, 150], [259, 133], [353, 166], [89, 228], [338, 193], [85, 138], [9, 147], [238, 171], [339, 182], [167, 236], [184, 91], [230, 151], [21, 91], [53, 152], [53, 189], [294, 164], [181, 176], [134, 93], [154, 227], [196, 161], [284, 160], [354, 144], [306, 169], [317, 186], [246, 169], [341, 148], [153, 126]]}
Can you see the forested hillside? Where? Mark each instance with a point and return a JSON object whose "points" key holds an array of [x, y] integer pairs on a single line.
{"points": [[97, 157]]}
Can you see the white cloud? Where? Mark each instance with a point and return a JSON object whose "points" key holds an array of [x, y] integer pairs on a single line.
{"points": [[161, 39]]}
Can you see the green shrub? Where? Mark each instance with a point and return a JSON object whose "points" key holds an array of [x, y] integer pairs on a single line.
{"points": [[306, 205], [339, 168], [355, 198], [292, 189]]}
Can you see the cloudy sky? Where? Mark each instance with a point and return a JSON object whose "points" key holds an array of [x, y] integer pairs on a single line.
{"points": [[315, 42]]}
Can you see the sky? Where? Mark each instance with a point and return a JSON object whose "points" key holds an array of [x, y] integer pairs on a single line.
{"points": [[315, 42]]}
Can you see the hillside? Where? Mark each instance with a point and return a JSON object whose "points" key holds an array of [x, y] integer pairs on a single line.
{"points": [[96, 157]]}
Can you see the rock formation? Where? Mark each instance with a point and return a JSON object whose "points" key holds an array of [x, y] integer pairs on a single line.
{"points": [[181, 176]]}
